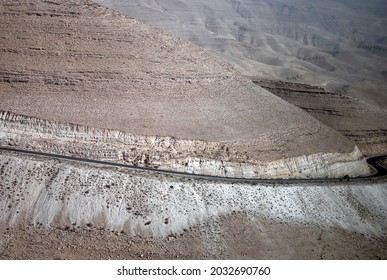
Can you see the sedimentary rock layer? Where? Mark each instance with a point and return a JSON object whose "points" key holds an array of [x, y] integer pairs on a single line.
{"points": [[364, 124], [77, 62], [168, 153]]}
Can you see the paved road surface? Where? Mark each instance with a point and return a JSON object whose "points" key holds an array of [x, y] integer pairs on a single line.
{"points": [[380, 173]]}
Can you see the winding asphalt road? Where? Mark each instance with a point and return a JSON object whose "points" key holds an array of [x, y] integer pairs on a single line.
{"points": [[380, 171]]}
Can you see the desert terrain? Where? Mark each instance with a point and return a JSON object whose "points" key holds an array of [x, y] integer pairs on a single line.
{"points": [[359, 121], [61, 210], [82, 80], [80, 64], [336, 47], [337, 44]]}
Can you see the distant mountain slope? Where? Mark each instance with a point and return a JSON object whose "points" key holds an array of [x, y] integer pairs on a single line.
{"points": [[353, 118], [339, 44]]}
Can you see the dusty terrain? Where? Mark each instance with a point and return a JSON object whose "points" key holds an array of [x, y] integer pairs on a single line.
{"points": [[79, 79], [340, 45], [219, 238]]}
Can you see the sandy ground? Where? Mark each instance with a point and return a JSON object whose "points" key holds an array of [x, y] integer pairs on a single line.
{"points": [[235, 236]]}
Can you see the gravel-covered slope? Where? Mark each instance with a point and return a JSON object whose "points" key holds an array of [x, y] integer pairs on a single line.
{"points": [[57, 209]]}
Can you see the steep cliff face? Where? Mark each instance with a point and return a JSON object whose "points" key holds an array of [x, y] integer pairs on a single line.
{"points": [[169, 153]]}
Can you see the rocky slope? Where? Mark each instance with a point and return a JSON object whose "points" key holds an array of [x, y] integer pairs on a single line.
{"points": [[77, 62], [362, 123], [338, 44], [57, 209]]}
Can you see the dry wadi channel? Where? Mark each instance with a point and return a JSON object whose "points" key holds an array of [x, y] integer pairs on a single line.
{"points": [[71, 86]]}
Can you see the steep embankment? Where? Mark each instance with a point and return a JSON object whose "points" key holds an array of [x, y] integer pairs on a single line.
{"points": [[56, 209], [168, 153], [77, 62]]}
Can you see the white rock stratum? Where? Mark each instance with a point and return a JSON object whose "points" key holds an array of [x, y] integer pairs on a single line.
{"points": [[168, 153]]}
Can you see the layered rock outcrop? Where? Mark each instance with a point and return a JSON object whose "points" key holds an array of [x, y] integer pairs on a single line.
{"points": [[80, 80], [77, 62], [168, 153], [364, 124]]}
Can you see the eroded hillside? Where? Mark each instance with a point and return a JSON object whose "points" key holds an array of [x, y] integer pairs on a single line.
{"points": [[80, 63], [362, 123], [168, 153], [338, 44]]}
